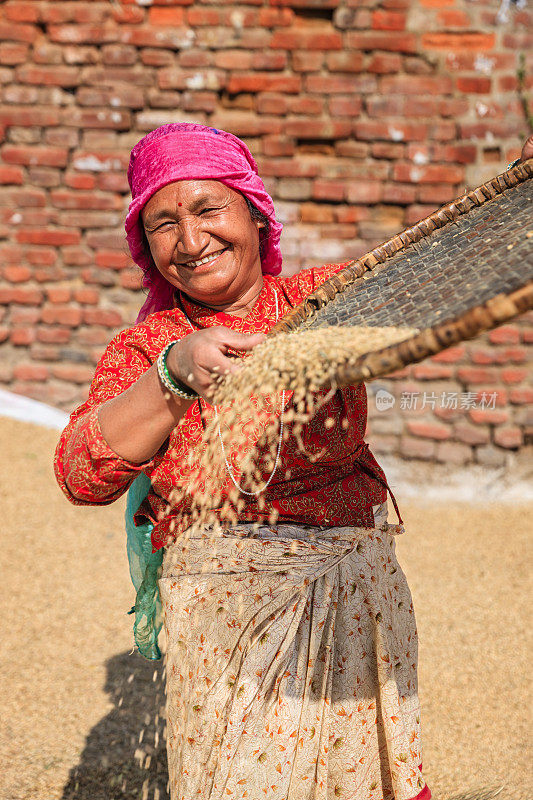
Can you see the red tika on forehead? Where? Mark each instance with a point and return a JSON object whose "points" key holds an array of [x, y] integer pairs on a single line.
{"points": [[186, 151]]}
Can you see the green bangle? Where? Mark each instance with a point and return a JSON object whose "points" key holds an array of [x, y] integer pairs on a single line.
{"points": [[169, 381]]}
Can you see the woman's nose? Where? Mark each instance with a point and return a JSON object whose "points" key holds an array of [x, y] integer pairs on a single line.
{"points": [[192, 239]]}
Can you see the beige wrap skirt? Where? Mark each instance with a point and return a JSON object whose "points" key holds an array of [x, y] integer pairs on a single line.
{"points": [[291, 666]]}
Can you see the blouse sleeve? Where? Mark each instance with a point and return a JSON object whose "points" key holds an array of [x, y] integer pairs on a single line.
{"points": [[88, 471]]}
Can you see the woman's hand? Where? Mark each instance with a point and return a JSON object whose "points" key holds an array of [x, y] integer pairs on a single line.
{"points": [[527, 150], [198, 359]]}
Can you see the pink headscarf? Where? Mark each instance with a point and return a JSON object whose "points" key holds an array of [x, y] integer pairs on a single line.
{"points": [[186, 151]]}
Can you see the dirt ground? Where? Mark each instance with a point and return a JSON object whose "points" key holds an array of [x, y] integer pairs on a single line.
{"points": [[81, 717]]}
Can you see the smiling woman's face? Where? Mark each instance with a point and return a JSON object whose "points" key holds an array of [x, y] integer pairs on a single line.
{"points": [[204, 241]]}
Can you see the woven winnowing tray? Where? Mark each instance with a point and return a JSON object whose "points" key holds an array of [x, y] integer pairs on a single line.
{"points": [[463, 270]]}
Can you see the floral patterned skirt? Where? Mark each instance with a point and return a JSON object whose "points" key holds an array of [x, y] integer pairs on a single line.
{"points": [[291, 666]]}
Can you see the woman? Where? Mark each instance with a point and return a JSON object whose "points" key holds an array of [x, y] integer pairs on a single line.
{"points": [[306, 687]]}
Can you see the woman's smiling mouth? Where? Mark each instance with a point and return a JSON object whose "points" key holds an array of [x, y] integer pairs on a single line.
{"points": [[206, 260]]}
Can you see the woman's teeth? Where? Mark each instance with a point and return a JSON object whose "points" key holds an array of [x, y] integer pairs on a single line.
{"points": [[205, 260]]}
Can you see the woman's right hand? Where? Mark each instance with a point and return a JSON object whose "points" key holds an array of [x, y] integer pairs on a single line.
{"points": [[199, 358]]}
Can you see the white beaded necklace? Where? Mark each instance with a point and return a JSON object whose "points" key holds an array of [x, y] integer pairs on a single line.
{"points": [[278, 451]]}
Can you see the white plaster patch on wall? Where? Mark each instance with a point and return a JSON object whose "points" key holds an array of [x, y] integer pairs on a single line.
{"points": [[420, 157], [196, 81], [482, 109], [483, 64], [94, 164], [395, 134]]}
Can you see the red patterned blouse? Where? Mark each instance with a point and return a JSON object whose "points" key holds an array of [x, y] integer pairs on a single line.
{"points": [[337, 481]]}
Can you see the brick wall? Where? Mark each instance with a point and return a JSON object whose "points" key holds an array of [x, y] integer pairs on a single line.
{"points": [[363, 115]]}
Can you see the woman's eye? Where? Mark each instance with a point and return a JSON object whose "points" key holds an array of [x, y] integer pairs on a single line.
{"points": [[207, 210], [164, 225]]}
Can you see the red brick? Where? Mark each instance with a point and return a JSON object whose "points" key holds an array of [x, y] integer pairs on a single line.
{"points": [[453, 18], [488, 416], [316, 213], [508, 436], [18, 33], [264, 82], [346, 61], [388, 40], [68, 316], [22, 11], [22, 337], [86, 296], [451, 355], [278, 146], [306, 128], [20, 295], [428, 372], [470, 434], [141, 36], [302, 38], [474, 85], [233, 59], [26, 117], [415, 447], [83, 34], [397, 131], [382, 63], [52, 237], [453, 453], [429, 173], [388, 21], [303, 104], [171, 15], [275, 17], [75, 373], [363, 191], [341, 84], [48, 76], [404, 193], [102, 316], [269, 60], [128, 14], [113, 259], [58, 294], [505, 334], [272, 103], [131, 279], [13, 53], [514, 375], [521, 395], [61, 198], [78, 180], [41, 255], [458, 42], [13, 175], [304, 61], [15, 273], [329, 190], [475, 375], [53, 335], [81, 118], [30, 372], [26, 154], [417, 84]]}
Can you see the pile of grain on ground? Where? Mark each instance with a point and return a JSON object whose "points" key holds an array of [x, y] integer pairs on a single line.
{"points": [[75, 700]]}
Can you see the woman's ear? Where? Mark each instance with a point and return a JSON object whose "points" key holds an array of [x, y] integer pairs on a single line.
{"points": [[259, 223]]}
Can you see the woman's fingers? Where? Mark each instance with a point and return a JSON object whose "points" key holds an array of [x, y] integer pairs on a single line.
{"points": [[199, 358]]}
